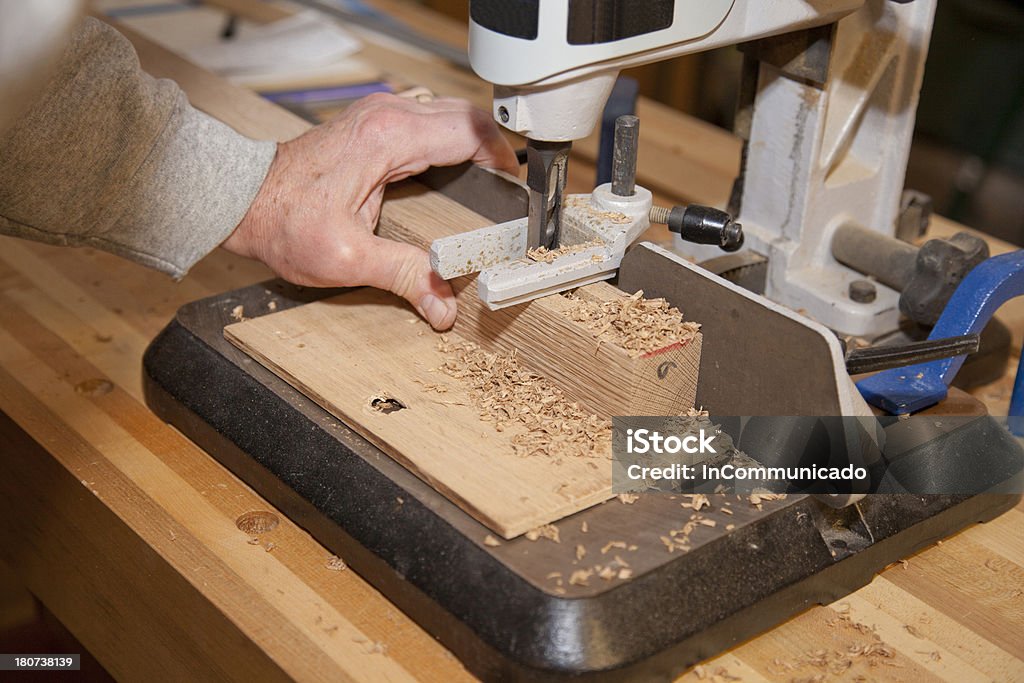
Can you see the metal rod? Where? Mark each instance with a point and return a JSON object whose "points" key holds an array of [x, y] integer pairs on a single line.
{"points": [[875, 358], [627, 137], [891, 261]]}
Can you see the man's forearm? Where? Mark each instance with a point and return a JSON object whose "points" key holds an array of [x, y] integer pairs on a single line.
{"points": [[111, 158]]}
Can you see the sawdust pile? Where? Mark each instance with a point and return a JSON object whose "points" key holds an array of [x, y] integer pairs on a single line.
{"points": [[545, 255], [582, 203], [509, 395], [858, 650], [634, 323]]}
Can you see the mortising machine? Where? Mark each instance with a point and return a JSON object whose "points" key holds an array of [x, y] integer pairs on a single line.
{"points": [[827, 112]]}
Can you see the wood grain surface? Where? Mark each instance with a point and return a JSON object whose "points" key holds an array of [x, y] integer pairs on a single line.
{"points": [[600, 376], [349, 350], [127, 531]]}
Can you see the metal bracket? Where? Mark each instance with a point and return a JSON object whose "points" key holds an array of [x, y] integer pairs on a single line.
{"points": [[596, 230]]}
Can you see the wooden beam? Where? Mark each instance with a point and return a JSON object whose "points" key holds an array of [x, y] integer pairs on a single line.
{"points": [[601, 376]]}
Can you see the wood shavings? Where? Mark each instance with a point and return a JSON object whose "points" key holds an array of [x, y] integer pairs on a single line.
{"points": [[545, 255], [636, 324], [580, 577], [548, 531], [758, 497], [679, 539], [696, 501], [620, 545], [432, 387], [491, 541], [912, 631], [271, 305], [335, 564], [582, 202], [843, 662], [581, 552], [628, 498], [720, 674], [508, 395], [618, 568], [584, 527], [238, 313]]}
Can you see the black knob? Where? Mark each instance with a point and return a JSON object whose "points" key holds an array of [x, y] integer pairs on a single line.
{"points": [[706, 225]]}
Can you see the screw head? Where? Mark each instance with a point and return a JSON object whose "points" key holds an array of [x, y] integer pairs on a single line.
{"points": [[503, 114], [863, 291]]}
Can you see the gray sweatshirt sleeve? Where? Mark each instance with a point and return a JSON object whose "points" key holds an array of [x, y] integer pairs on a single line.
{"points": [[108, 157]]}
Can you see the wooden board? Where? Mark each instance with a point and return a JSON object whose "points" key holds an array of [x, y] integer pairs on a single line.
{"points": [[361, 343], [348, 350], [602, 377]]}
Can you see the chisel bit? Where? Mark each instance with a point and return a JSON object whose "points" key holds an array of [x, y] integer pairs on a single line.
{"points": [[547, 165]]}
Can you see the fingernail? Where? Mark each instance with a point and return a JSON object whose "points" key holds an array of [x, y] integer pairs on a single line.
{"points": [[433, 309]]}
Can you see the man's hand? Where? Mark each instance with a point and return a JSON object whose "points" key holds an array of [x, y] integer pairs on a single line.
{"points": [[313, 219]]}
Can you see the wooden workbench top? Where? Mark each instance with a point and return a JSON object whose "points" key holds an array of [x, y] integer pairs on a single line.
{"points": [[127, 531]]}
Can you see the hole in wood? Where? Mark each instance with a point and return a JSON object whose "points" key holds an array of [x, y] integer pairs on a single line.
{"points": [[257, 522], [386, 404]]}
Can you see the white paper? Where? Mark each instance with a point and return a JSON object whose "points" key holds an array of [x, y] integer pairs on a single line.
{"points": [[301, 41]]}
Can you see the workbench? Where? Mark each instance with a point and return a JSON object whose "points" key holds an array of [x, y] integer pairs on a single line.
{"points": [[139, 542]]}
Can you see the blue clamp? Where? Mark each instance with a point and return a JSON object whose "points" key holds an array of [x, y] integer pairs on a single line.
{"points": [[992, 283]]}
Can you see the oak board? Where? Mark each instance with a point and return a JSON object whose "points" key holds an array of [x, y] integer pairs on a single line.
{"points": [[346, 351]]}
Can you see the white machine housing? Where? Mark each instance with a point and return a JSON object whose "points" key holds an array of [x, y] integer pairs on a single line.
{"points": [[819, 155]]}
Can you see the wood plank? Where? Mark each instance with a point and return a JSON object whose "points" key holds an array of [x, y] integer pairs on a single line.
{"points": [[947, 633], [600, 376], [990, 603], [366, 344], [820, 644], [269, 607], [179, 523]]}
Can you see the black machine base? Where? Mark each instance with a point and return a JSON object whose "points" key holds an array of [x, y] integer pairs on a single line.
{"points": [[496, 607]]}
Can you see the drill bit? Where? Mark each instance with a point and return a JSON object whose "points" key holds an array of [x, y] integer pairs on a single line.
{"points": [[547, 164]]}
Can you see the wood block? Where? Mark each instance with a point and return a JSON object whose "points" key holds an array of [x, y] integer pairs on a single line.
{"points": [[602, 377], [345, 351]]}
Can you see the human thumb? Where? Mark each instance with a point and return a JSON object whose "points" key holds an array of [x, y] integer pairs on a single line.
{"points": [[405, 270]]}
